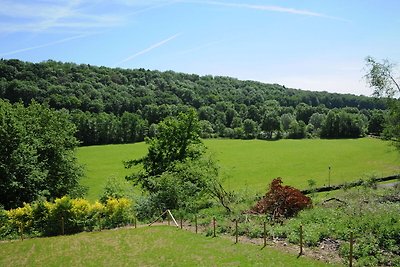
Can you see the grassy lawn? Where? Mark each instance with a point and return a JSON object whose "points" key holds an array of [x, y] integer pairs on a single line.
{"points": [[146, 246], [252, 164]]}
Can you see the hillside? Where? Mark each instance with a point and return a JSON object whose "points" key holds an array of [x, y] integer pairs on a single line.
{"points": [[124, 105]]}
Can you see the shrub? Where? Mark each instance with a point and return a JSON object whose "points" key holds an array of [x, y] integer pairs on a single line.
{"points": [[117, 212], [281, 201], [45, 218]]}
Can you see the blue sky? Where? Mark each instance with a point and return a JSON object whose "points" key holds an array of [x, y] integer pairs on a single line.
{"points": [[314, 45]]}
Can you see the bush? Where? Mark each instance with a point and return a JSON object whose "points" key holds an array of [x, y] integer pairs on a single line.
{"points": [[281, 201], [45, 218]]}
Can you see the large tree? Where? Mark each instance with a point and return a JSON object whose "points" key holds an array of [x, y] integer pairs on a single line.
{"points": [[176, 172], [382, 78], [36, 154]]}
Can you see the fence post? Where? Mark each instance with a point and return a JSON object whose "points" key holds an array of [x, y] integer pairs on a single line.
{"points": [[21, 231], [236, 231], [351, 249], [62, 225], [214, 235], [195, 221], [301, 240], [169, 219], [265, 234], [181, 222]]}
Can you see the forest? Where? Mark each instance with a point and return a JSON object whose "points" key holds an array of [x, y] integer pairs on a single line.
{"points": [[114, 105]]}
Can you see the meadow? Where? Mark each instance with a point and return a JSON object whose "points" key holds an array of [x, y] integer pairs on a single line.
{"points": [[251, 164], [146, 246]]}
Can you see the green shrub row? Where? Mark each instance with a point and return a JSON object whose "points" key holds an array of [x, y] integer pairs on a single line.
{"points": [[64, 216]]}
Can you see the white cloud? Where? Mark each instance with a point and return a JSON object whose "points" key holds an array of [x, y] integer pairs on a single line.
{"points": [[46, 16]]}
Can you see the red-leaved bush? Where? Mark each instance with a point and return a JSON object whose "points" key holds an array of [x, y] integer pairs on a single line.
{"points": [[281, 201]]}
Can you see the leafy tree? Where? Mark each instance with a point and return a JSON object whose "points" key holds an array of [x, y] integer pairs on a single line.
{"points": [[176, 171], [270, 123], [297, 130], [304, 112], [176, 140], [380, 76], [206, 129], [286, 120], [317, 120], [340, 124], [36, 154], [250, 128]]}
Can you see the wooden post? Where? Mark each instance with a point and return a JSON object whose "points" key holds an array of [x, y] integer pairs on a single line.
{"points": [[21, 231], [301, 240], [214, 235], [181, 222], [351, 249], [135, 221], [62, 225], [236, 231], [169, 219], [195, 222], [265, 234]]}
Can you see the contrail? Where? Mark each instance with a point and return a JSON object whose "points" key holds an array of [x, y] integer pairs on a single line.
{"points": [[43, 45], [265, 8], [144, 51]]}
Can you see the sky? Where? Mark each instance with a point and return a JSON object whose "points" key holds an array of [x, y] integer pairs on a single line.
{"points": [[318, 45]]}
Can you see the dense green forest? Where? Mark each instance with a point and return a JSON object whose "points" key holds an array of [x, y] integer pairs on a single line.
{"points": [[113, 105]]}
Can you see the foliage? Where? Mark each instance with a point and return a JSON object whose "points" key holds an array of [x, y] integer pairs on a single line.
{"points": [[176, 173], [341, 124], [36, 154], [281, 201], [380, 76], [114, 188], [176, 141], [110, 106], [45, 218], [374, 221]]}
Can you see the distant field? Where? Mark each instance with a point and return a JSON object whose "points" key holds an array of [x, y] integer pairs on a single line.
{"points": [[252, 164], [147, 246]]}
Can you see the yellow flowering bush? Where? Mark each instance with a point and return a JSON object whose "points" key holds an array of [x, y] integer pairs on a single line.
{"points": [[65, 214], [118, 212], [20, 217]]}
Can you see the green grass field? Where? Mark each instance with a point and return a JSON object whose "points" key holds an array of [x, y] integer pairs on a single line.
{"points": [[146, 246], [252, 164]]}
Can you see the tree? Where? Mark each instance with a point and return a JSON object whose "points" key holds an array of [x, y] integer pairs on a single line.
{"points": [[270, 123], [36, 154], [176, 172], [250, 128], [297, 130], [176, 140], [286, 120], [380, 76]]}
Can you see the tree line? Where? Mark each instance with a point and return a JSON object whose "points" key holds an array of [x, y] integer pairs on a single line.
{"points": [[113, 105]]}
